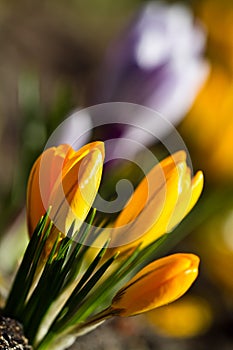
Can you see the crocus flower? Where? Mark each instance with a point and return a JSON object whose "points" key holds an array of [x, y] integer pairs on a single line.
{"points": [[66, 180], [157, 62], [159, 283], [159, 203]]}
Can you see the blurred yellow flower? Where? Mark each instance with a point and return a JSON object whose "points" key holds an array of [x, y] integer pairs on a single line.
{"points": [[218, 18], [162, 199], [208, 128], [185, 318], [159, 283]]}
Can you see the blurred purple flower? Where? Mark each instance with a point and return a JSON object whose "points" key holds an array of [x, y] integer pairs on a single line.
{"points": [[157, 62]]}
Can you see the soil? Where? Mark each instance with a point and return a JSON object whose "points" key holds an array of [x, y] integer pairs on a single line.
{"points": [[133, 334], [11, 335]]}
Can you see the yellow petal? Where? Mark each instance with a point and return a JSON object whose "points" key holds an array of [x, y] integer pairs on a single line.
{"points": [[159, 283], [73, 157], [189, 193], [184, 194], [73, 197], [197, 187]]}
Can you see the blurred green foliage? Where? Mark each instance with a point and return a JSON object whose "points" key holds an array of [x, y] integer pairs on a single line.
{"points": [[49, 54]]}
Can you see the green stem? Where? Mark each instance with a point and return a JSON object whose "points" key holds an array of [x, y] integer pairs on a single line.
{"points": [[95, 320], [46, 342]]}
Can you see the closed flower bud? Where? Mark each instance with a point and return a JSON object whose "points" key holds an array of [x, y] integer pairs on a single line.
{"points": [[159, 283], [162, 199]]}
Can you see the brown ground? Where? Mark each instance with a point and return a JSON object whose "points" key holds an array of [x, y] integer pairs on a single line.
{"points": [[131, 334]]}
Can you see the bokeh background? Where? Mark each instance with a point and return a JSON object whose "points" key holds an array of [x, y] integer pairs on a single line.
{"points": [[58, 56]]}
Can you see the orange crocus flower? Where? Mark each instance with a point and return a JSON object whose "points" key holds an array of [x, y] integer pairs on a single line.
{"points": [[159, 283], [162, 199], [66, 180]]}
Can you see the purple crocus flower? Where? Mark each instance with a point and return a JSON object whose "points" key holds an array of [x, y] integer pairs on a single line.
{"points": [[157, 62]]}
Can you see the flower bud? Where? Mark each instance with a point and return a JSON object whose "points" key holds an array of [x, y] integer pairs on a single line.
{"points": [[159, 283], [66, 180]]}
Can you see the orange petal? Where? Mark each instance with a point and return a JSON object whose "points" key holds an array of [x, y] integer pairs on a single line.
{"points": [[43, 176]]}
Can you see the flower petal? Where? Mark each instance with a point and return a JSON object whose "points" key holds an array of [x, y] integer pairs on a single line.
{"points": [[42, 180], [159, 192], [197, 186], [74, 194]]}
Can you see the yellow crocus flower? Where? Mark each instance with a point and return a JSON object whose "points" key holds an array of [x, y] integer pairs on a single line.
{"points": [[159, 283], [66, 180], [162, 199]]}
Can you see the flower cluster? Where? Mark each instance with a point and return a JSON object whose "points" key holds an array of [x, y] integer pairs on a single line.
{"points": [[61, 271]]}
